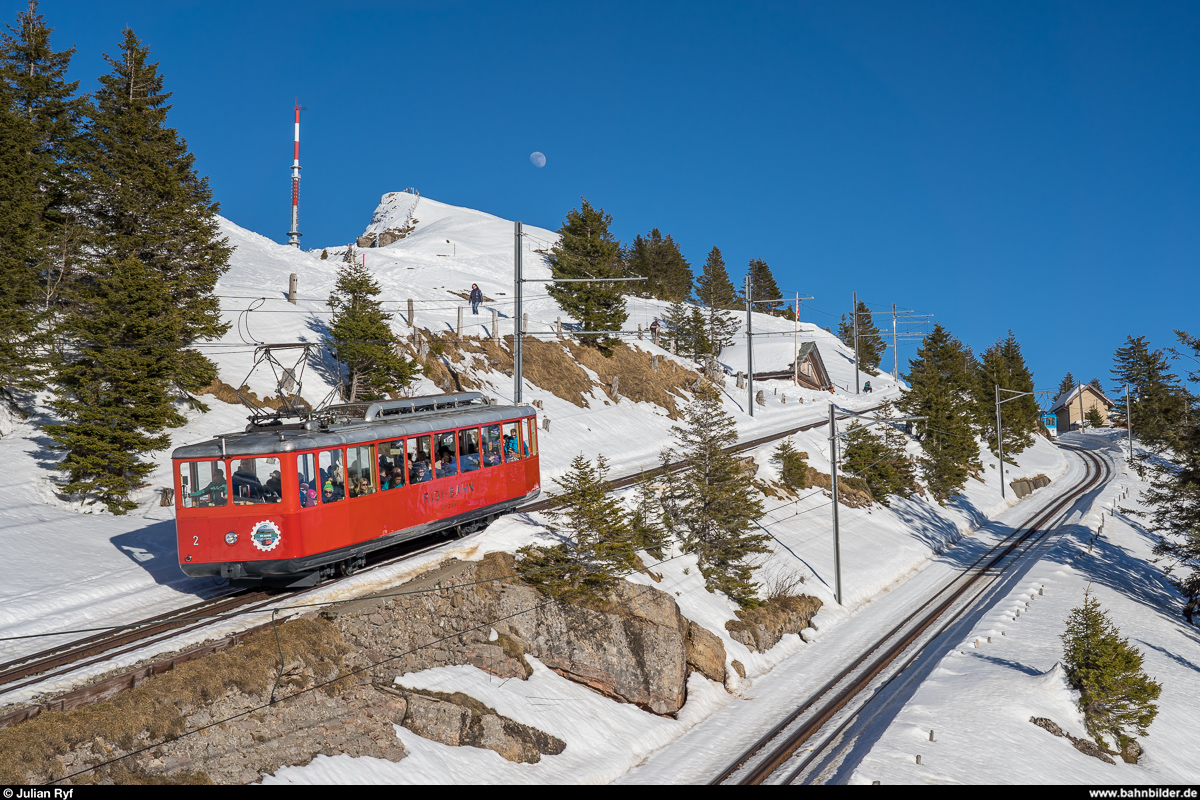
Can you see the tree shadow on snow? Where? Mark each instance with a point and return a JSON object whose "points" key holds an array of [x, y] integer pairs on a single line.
{"points": [[154, 549], [1178, 659]]}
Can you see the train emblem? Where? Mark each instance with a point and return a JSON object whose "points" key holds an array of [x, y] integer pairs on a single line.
{"points": [[266, 536]]}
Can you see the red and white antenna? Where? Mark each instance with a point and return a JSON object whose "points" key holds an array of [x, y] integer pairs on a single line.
{"points": [[294, 234]]}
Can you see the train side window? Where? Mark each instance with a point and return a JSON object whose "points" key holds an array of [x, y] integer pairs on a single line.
{"points": [[420, 459], [332, 475], [391, 464], [447, 460], [468, 449], [309, 479], [512, 442], [361, 475], [256, 480], [530, 436], [492, 445], [202, 484]]}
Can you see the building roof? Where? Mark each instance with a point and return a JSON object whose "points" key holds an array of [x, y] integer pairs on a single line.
{"points": [[1066, 397]]}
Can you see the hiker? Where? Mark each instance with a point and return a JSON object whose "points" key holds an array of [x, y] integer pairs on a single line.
{"points": [[654, 330], [476, 298], [867, 387]]}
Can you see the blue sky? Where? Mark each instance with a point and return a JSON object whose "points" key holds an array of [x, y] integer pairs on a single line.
{"points": [[1020, 165]]}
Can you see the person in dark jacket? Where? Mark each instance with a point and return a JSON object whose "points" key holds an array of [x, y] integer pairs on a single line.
{"points": [[476, 298]]}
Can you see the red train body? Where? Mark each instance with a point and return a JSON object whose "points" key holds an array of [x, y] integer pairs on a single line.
{"points": [[290, 503]]}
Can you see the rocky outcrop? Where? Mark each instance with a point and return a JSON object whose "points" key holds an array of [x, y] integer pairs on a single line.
{"points": [[1022, 487], [459, 720], [635, 649], [1086, 746], [762, 627]]}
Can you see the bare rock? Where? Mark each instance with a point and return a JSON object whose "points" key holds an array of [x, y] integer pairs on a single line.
{"points": [[1086, 746], [738, 667], [460, 720], [762, 627], [367, 240], [705, 652], [1131, 752]]}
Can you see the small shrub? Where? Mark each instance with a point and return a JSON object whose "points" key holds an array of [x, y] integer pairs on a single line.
{"points": [[794, 469]]}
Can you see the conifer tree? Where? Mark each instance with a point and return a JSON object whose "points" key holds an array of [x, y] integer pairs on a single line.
{"points": [[711, 503], [1067, 384], [1115, 694], [885, 469], [870, 345], [146, 203], [21, 228], [1159, 404], [112, 394], [1003, 365], [685, 325], [845, 331], [646, 529], [717, 295], [597, 547], [793, 469], [1097, 385], [360, 336], [941, 379], [658, 259], [586, 249], [762, 286]]}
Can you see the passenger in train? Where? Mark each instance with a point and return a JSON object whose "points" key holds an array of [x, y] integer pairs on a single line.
{"points": [[491, 454], [214, 493], [274, 485], [246, 484], [510, 447], [420, 471], [396, 480], [446, 466], [362, 488]]}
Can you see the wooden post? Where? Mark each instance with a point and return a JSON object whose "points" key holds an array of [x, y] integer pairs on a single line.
{"points": [[653, 361], [293, 288], [460, 310], [639, 331], [411, 322], [525, 323], [558, 324], [546, 424], [616, 388], [495, 325]]}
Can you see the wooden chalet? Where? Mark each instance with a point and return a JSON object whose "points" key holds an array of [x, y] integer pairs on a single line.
{"points": [[812, 373], [1071, 409]]}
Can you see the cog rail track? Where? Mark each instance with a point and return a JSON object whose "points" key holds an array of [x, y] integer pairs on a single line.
{"points": [[765, 758]]}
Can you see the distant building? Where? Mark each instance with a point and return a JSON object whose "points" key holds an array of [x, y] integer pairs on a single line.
{"points": [[812, 373], [1071, 411]]}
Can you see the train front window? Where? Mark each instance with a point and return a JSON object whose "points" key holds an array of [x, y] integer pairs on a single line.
{"points": [[361, 475], [332, 475], [512, 442], [420, 459], [309, 479], [391, 464], [468, 449], [256, 480], [492, 446], [202, 484], [531, 436], [447, 459]]}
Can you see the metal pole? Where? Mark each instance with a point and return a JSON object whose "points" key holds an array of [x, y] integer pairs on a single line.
{"points": [[854, 315], [1080, 407], [518, 285], [294, 234], [749, 349], [837, 551], [895, 352], [1000, 440], [796, 343], [1129, 421]]}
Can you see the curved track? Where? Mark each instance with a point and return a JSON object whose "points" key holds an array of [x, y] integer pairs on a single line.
{"points": [[818, 724]]}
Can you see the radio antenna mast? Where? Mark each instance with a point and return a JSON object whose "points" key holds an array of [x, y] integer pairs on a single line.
{"points": [[294, 234]]}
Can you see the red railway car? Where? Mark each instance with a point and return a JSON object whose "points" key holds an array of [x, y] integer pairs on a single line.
{"points": [[290, 504]]}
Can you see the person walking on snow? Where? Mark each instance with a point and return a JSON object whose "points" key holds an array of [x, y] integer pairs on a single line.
{"points": [[654, 330], [476, 298]]}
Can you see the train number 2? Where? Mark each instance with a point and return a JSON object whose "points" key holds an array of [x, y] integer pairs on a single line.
{"points": [[195, 541]]}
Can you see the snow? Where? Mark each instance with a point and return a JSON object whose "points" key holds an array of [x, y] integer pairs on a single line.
{"points": [[73, 567]]}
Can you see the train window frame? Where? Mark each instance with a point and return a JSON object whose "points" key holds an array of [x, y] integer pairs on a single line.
{"points": [[531, 446], [396, 451], [336, 465], [489, 441], [439, 442], [464, 458], [515, 426], [253, 483], [412, 446], [354, 477], [308, 489], [193, 477]]}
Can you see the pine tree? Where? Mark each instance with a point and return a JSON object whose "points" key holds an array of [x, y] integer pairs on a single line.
{"points": [[21, 336], [870, 345], [1160, 405], [716, 295], [1097, 385], [586, 249], [360, 336], [1003, 365], [845, 331], [146, 202], [112, 394], [597, 547], [1094, 417], [646, 528], [1173, 498], [1115, 694], [793, 469], [659, 260], [711, 502], [762, 286], [324, 255], [941, 380], [1067, 384], [885, 469]]}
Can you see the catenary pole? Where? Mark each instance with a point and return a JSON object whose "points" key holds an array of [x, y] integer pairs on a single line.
{"points": [[837, 551], [1000, 440], [796, 342], [518, 287], [895, 352], [749, 347], [294, 234], [1080, 407], [1129, 422], [854, 315]]}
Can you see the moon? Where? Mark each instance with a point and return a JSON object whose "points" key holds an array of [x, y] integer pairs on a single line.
{"points": [[538, 159]]}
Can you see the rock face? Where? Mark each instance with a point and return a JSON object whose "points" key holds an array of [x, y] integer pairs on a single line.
{"points": [[1086, 746], [459, 720], [761, 628], [1022, 487], [636, 650]]}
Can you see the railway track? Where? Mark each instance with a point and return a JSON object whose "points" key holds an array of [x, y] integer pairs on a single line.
{"points": [[818, 725], [40, 667]]}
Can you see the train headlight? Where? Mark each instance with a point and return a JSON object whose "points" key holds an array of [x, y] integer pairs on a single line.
{"points": [[231, 538]]}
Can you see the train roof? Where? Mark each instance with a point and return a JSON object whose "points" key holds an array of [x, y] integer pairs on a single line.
{"points": [[358, 422]]}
